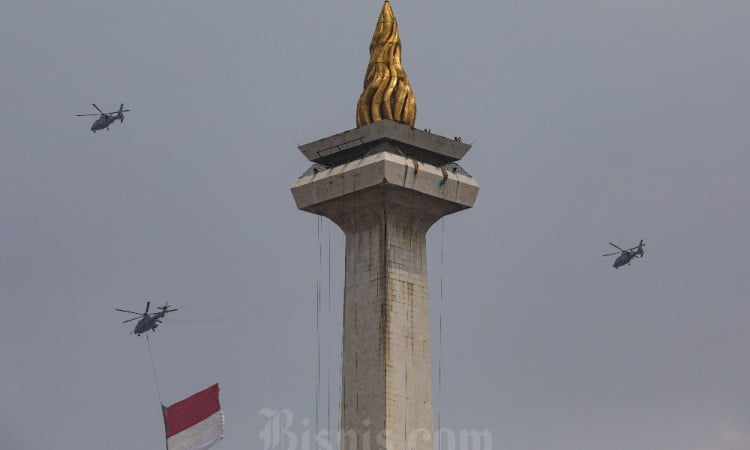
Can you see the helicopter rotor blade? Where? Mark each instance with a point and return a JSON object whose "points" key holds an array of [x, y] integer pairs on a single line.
{"points": [[618, 248], [97, 108], [125, 310], [81, 115], [610, 254], [148, 305], [130, 320]]}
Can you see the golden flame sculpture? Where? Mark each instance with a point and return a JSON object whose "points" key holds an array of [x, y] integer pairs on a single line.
{"points": [[387, 93]]}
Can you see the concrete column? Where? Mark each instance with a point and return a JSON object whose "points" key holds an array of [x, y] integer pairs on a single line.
{"points": [[386, 343]]}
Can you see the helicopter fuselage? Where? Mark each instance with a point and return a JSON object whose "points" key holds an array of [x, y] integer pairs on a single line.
{"points": [[627, 255], [102, 122], [623, 259], [148, 322]]}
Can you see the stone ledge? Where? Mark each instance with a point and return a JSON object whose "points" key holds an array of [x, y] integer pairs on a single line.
{"points": [[386, 170], [355, 143]]}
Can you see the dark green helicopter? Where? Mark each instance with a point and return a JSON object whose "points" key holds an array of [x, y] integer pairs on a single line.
{"points": [[106, 118], [148, 321], [626, 255]]}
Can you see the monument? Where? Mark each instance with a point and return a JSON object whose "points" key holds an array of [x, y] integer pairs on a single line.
{"points": [[384, 184]]}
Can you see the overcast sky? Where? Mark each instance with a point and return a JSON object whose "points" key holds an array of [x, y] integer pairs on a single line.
{"points": [[591, 122]]}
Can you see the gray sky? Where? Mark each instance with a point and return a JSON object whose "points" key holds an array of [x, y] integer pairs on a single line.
{"points": [[591, 122]]}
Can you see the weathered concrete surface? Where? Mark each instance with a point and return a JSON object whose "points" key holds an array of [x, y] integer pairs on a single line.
{"points": [[387, 388], [340, 146], [385, 203]]}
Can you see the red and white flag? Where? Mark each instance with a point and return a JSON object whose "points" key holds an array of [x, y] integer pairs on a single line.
{"points": [[196, 423]]}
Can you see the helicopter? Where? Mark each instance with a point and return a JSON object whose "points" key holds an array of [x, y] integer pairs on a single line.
{"points": [[106, 118], [626, 255], [148, 321]]}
